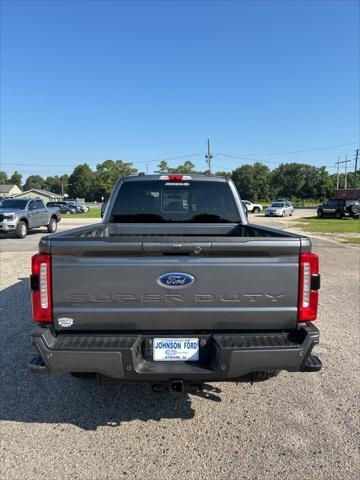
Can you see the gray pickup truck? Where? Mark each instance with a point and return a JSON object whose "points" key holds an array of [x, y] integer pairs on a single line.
{"points": [[21, 214], [175, 288]]}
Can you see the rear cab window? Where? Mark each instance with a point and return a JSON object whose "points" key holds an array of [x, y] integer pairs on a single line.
{"points": [[161, 201]]}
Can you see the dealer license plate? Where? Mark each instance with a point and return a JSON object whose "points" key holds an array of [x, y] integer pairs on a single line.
{"points": [[176, 349]]}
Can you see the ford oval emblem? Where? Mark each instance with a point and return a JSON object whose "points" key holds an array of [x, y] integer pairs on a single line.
{"points": [[176, 280]]}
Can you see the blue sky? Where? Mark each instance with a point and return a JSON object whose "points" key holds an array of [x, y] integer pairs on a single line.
{"points": [[84, 81]]}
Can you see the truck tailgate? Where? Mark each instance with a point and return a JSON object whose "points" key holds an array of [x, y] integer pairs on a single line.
{"points": [[249, 284]]}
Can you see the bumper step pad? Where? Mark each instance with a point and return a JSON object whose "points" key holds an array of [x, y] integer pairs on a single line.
{"points": [[311, 364]]}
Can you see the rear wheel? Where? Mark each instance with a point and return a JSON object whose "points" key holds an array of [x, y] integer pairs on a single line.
{"points": [[21, 229], [320, 213], [67, 212], [338, 214], [256, 210], [259, 376], [52, 225], [283, 213]]}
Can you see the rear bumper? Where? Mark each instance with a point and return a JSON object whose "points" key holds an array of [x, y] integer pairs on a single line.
{"points": [[128, 358]]}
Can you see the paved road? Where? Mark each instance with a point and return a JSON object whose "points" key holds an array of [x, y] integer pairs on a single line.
{"points": [[292, 427]]}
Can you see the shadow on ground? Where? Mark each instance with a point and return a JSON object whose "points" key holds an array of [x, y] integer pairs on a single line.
{"points": [[62, 398]]}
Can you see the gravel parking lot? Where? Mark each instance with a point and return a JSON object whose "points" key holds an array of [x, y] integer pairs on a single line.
{"points": [[294, 426]]}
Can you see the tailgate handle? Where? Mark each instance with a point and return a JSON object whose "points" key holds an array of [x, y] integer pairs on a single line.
{"points": [[175, 248], [179, 248]]}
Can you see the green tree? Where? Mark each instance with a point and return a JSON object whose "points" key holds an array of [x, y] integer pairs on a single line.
{"points": [[81, 182], [252, 181], [223, 174], [163, 167], [57, 184], [34, 181], [15, 179], [107, 174], [3, 177], [351, 181], [300, 180], [187, 167]]}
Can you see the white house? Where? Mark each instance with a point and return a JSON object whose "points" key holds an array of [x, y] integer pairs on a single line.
{"points": [[44, 195], [9, 190]]}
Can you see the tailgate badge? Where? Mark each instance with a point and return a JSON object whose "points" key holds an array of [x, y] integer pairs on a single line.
{"points": [[176, 280], [65, 322]]}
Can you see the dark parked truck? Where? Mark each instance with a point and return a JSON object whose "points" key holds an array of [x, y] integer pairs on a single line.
{"points": [[175, 288]]}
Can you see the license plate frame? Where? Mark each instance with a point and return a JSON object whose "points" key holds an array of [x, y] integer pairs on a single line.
{"points": [[173, 349]]}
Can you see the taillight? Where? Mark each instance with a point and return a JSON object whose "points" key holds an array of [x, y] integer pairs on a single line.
{"points": [[40, 282], [309, 284]]}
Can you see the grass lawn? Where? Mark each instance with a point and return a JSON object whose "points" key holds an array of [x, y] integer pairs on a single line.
{"points": [[329, 225], [92, 213], [352, 241]]}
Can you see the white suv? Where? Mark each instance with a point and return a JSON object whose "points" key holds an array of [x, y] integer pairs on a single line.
{"points": [[252, 207]]}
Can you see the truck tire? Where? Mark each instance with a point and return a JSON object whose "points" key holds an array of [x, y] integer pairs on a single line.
{"points": [[338, 214], [82, 374], [320, 214], [256, 210], [52, 225], [259, 376], [21, 229]]}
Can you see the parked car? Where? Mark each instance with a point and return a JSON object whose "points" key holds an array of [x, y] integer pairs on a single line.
{"points": [[67, 209], [20, 215], [279, 209], [252, 207], [174, 288], [80, 207], [339, 208], [74, 205]]}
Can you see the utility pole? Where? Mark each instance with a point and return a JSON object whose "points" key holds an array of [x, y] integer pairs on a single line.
{"points": [[337, 178], [346, 162], [355, 171], [208, 156], [339, 163]]}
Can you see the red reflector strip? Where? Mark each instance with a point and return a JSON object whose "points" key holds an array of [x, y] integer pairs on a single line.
{"points": [[42, 296], [308, 298]]}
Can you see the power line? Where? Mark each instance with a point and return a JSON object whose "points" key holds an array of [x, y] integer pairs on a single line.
{"points": [[240, 157], [30, 164], [355, 170], [328, 147], [338, 163]]}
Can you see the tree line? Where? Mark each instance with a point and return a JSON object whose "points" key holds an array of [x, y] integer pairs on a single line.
{"points": [[255, 182]]}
